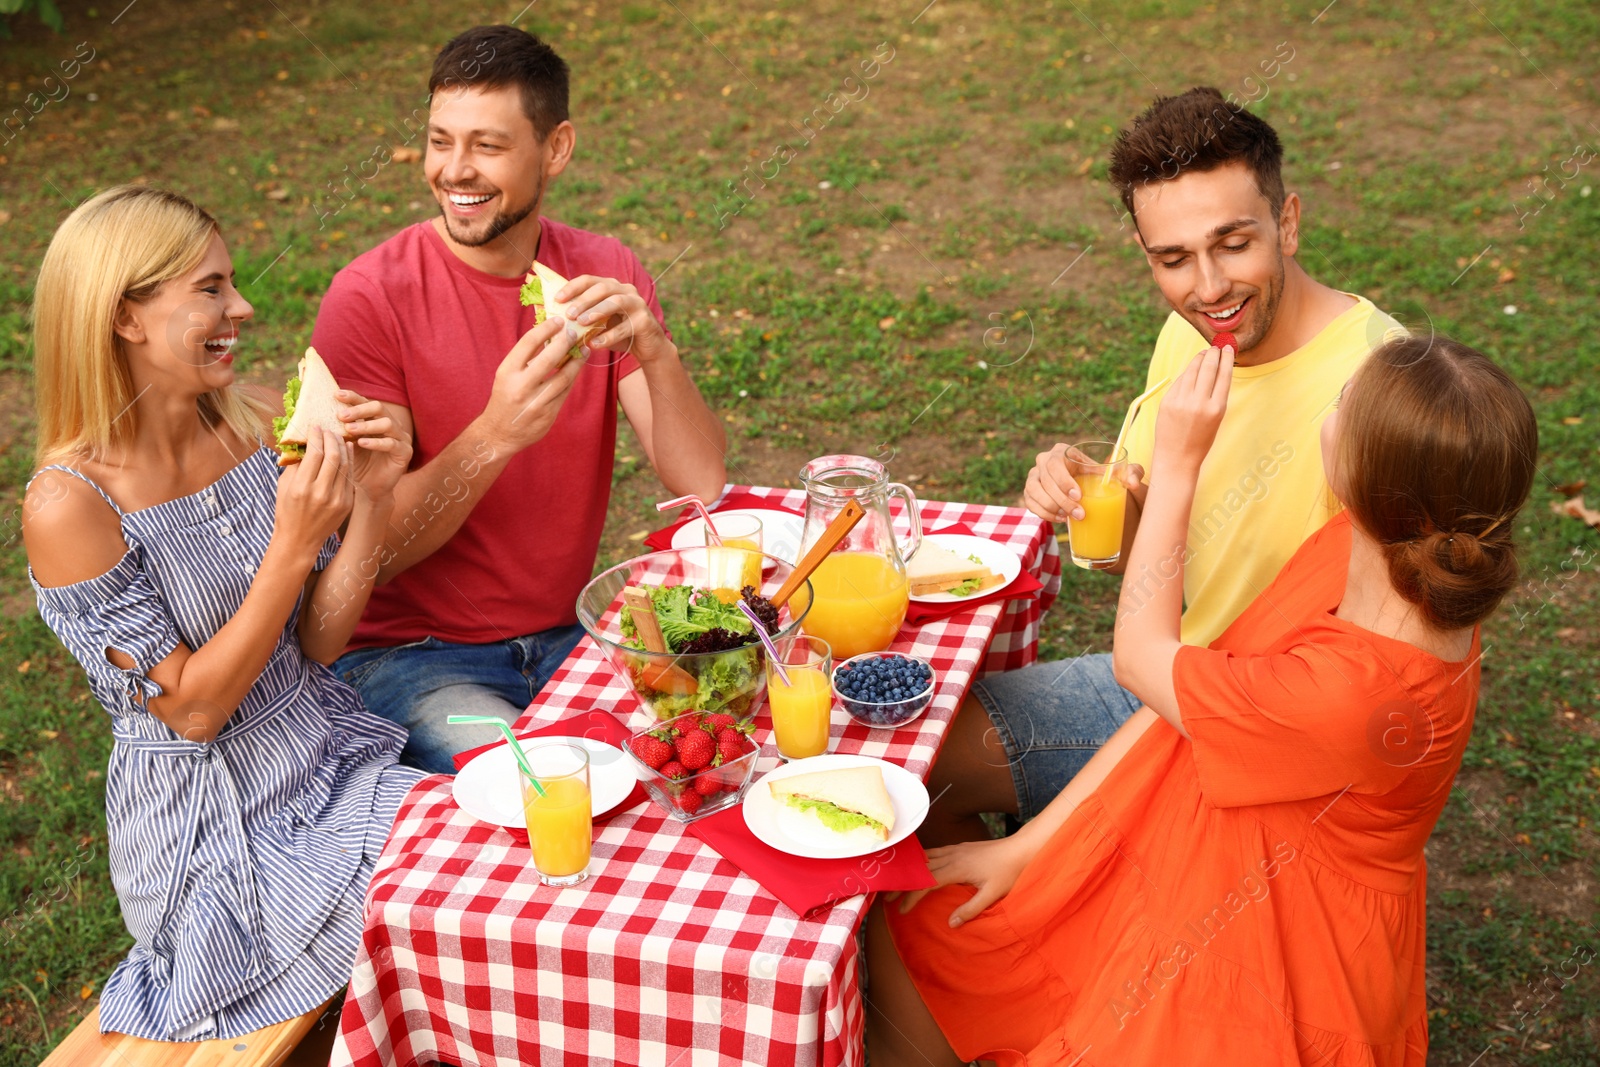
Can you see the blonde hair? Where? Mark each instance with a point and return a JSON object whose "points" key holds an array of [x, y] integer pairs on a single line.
{"points": [[123, 244]]}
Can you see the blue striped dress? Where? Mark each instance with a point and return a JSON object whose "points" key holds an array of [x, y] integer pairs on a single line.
{"points": [[241, 864]]}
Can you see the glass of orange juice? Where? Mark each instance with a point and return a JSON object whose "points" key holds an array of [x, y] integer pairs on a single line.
{"points": [[1096, 538], [736, 562], [802, 707], [560, 822]]}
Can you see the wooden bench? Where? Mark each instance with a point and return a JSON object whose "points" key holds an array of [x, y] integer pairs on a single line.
{"points": [[86, 1046]]}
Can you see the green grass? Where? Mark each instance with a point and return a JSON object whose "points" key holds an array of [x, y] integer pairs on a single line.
{"points": [[962, 187]]}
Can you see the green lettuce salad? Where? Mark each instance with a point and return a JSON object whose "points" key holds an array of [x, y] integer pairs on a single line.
{"points": [[532, 295], [970, 586], [687, 619], [291, 397]]}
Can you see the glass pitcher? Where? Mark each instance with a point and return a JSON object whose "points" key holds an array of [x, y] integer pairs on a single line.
{"points": [[861, 589]]}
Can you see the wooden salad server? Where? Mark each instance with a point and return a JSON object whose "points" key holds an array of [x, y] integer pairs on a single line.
{"points": [[663, 677], [841, 525]]}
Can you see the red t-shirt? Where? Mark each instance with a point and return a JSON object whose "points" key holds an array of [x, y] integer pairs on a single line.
{"points": [[409, 323]]}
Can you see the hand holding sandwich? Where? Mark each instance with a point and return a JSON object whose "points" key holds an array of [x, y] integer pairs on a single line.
{"points": [[530, 386], [592, 302], [314, 496]]}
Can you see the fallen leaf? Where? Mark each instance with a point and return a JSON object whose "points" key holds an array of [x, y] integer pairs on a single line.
{"points": [[86, 992], [49, 735], [5, 217], [224, 125], [1572, 420], [885, 323], [640, 536], [1573, 488], [405, 155], [277, 194], [22, 668], [1506, 275], [726, 89], [1576, 510], [1566, 632]]}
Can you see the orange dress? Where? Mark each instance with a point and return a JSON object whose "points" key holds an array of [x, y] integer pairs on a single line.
{"points": [[1253, 896]]}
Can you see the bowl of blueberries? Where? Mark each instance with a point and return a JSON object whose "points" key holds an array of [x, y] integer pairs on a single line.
{"points": [[883, 689]]}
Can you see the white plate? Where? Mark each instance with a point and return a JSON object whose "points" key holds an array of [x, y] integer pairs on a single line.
{"points": [[490, 786], [997, 557], [800, 836], [780, 531]]}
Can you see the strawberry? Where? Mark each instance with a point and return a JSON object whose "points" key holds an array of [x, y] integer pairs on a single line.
{"points": [[719, 722], [695, 750], [1223, 340], [731, 734], [729, 750], [674, 770], [651, 750], [689, 801], [707, 784]]}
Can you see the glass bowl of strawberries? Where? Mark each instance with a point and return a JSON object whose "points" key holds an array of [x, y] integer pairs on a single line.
{"points": [[695, 764]]}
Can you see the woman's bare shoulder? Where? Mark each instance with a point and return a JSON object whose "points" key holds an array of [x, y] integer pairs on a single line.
{"points": [[71, 533]]}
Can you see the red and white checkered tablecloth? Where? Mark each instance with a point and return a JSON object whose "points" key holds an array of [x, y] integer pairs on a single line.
{"points": [[667, 954]]}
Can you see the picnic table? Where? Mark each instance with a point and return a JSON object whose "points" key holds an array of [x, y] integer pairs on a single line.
{"points": [[668, 953]]}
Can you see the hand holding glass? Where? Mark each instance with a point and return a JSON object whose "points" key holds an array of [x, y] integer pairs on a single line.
{"points": [[1098, 467]]}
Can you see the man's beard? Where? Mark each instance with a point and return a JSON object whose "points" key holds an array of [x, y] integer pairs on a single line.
{"points": [[502, 222], [1263, 310], [1267, 312]]}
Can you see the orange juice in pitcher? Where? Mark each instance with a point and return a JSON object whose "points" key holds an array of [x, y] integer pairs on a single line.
{"points": [[861, 590], [860, 602]]}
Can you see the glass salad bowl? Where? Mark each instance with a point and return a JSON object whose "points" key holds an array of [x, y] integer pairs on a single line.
{"points": [[670, 684]]}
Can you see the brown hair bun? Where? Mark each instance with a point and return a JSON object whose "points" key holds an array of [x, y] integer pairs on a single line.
{"points": [[1436, 454]]}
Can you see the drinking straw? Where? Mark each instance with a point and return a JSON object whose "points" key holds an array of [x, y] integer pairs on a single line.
{"points": [[700, 506], [766, 639], [516, 747], [1127, 422]]}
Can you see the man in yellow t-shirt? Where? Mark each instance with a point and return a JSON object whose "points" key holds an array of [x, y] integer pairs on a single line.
{"points": [[1202, 180]]}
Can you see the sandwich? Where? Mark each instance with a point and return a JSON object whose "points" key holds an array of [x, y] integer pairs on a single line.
{"points": [[307, 403], [539, 291], [844, 801], [935, 569]]}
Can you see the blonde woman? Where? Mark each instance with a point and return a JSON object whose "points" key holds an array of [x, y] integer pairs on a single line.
{"points": [[203, 591]]}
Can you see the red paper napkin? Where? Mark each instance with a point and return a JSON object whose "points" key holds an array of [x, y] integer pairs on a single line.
{"points": [[1024, 584], [804, 884], [739, 499], [596, 724]]}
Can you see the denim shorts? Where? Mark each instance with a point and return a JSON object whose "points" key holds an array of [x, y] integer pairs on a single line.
{"points": [[1052, 717], [421, 684]]}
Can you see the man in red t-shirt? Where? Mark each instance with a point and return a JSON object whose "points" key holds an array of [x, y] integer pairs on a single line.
{"points": [[498, 521]]}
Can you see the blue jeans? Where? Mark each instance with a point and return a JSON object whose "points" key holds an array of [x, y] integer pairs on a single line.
{"points": [[421, 684], [1052, 717]]}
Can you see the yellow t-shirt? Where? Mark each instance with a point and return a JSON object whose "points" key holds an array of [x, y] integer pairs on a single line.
{"points": [[1261, 490]]}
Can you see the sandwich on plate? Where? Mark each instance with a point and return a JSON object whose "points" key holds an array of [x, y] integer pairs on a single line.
{"points": [[936, 569], [848, 801], [307, 402], [539, 291]]}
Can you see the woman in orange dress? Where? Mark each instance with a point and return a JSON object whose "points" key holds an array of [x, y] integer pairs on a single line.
{"points": [[1237, 877]]}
